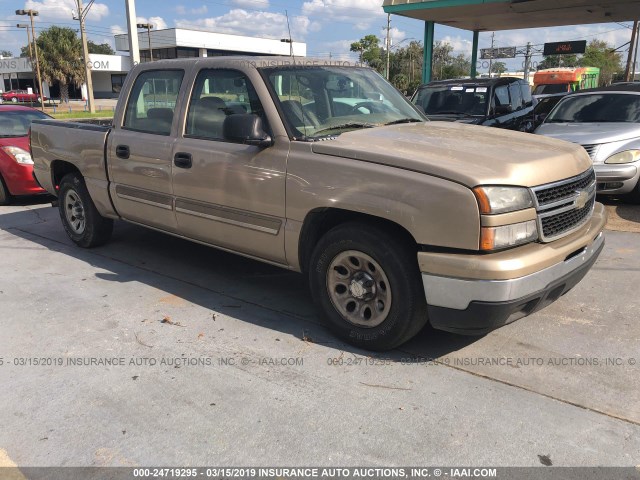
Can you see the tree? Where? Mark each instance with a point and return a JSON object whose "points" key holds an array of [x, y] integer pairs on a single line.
{"points": [[599, 54], [498, 67], [102, 48], [60, 55], [401, 82], [370, 52], [446, 66], [555, 61], [6, 53]]}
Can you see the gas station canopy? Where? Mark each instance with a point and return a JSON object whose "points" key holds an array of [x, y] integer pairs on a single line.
{"points": [[492, 15]]}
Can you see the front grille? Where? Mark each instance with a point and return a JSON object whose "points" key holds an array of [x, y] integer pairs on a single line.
{"points": [[555, 225], [565, 206], [564, 191], [591, 150]]}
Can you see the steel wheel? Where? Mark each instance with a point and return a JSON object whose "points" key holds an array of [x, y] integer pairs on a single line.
{"points": [[359, 289], [74, 211]]}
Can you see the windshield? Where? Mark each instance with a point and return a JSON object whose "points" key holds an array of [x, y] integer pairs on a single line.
{"points": [[595, 108], [327, 101], [551, 88], [453, 99], [16, 123]]}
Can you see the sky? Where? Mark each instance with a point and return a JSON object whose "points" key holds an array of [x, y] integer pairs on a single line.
{"points": [[327, 26]]}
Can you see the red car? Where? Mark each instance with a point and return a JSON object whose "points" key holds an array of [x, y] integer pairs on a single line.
{"points": [[21, 96], [16, 166]]}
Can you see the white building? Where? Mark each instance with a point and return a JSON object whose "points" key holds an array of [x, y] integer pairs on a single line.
{"points": [[109, 71]]}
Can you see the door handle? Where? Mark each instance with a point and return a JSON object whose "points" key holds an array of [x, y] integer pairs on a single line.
{"points": [[183, 160], [122, 151]]}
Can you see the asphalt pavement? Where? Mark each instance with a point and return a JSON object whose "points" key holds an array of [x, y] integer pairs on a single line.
{"points": [[155, 351]]}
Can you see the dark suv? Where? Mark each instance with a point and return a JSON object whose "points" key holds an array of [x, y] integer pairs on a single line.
{"points": [[495, 102]]}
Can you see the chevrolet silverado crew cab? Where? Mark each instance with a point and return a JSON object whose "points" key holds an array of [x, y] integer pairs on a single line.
{"points": [[326, 169]]}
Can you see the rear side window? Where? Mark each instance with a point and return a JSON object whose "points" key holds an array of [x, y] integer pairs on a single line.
{"points": [[152, 102]]}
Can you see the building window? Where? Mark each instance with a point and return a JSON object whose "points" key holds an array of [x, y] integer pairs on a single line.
{"points": [[117, 81]]}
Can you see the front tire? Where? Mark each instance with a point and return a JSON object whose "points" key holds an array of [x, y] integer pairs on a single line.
{"points": [[80, 218], [634, 196], [5, 196], [14, 100], [366, 282]]}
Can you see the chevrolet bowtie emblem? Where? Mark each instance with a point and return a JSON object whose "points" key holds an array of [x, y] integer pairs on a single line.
{"points": [[582, 199]]}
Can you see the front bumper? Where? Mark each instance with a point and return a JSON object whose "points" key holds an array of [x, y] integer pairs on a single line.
{"points": [[478, 305], [19, 179], [617, 179]]}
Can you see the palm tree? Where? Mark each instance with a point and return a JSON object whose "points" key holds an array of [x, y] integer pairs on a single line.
{"points": [[60, 55]]}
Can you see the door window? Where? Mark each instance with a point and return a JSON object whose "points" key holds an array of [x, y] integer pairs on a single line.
{"points": [[516, 96], [153, 101], [218, 94], [502, 95]]}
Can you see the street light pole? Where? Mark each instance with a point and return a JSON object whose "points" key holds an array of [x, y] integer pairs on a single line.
{"points": [[34, 13], [148, 26], [82, 13]]}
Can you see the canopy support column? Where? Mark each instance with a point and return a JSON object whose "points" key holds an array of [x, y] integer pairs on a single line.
{"points": [[474, 54], [428, 51]]}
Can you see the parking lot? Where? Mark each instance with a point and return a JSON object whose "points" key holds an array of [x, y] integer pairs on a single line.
{"points": [[156, 351]]}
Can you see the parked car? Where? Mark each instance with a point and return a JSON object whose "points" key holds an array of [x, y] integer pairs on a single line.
{"points": [[330, 171], [544, 106], [21, 96], [16, 165], [606, 122], [495, 102]]}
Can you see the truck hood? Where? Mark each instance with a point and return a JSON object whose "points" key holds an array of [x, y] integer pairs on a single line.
{"points": [[467, 154], [590, 133]]}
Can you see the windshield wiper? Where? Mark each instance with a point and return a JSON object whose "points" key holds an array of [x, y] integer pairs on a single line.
{"points": [[346, 125], [405, 120]]}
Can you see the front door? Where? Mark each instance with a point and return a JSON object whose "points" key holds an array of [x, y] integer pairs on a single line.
{"points": [[229, 194], [140, 151]]}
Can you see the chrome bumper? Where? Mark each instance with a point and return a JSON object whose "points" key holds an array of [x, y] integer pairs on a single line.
{"points": [[627, 174], [458, 293]]}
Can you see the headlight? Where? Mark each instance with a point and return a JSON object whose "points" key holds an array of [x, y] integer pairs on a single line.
{"points": [[502, 199], [627, 156], [19, 155], [493, 238]]}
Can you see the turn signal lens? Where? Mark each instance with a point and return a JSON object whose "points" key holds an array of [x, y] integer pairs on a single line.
{"points": [[493, 238]]}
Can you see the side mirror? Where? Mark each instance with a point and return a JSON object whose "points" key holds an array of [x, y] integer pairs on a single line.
{"points": [[503, 109], [247, 129]]}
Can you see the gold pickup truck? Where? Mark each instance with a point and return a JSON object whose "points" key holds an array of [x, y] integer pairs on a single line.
{"points": [[326, 169]]}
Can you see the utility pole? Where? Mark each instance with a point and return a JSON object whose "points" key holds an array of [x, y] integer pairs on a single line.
{"points": [[527, 62], [82, 14], [388, 42], [148, 27], [631, 56], [635, 57], [493, 34], [34, 13]]}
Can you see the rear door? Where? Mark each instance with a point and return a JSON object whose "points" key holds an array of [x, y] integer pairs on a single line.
{"points": [[140, 150], [229, 194]]}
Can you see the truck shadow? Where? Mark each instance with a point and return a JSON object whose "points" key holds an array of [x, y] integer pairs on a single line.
{"points": [[221, 282]]}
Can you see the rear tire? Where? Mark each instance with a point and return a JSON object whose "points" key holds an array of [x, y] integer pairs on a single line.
{"points": [[80, 218], [367, 284], [5, 196]]}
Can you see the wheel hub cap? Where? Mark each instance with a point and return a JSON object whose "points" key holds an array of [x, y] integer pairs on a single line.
{"points": [[359, 288]]}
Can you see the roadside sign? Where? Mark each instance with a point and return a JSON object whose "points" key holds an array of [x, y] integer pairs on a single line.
{"points": [[564, 48], [503, 52]]}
